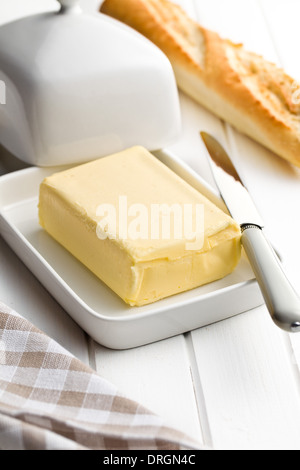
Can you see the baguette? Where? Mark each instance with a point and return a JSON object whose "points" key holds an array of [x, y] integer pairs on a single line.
{"points": [[242, 88]]}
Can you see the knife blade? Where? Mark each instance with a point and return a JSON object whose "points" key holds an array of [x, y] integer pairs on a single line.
{"points": [[281, 299]]}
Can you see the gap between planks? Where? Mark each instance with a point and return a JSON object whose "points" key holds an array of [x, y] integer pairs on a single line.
{"points": [[198, 391]]}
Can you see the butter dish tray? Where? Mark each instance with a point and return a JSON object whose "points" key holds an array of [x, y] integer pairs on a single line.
{"points": [[98, 310]]}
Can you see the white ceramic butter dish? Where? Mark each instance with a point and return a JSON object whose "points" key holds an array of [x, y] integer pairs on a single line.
{"points": [[82, 86], [95, 307]]}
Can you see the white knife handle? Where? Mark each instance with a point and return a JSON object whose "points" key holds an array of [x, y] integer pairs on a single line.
{"points": [[281, 299]]}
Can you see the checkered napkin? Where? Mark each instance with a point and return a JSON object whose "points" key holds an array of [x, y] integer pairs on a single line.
{"points": [[51, 400]]}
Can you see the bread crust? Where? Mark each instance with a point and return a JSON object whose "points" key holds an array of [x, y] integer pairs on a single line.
{"points": [[241, 87]]}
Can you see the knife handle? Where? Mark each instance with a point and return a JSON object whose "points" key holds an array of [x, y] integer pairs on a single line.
{"points": [[281, 299]]}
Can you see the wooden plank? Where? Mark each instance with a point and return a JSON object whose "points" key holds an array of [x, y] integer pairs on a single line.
{"points": [[158, 376], [282, 20], [241, 22], [248, 384], [246, 366], [189, 146]]}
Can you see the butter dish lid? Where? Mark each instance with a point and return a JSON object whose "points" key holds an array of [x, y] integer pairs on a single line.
{"points": [[82, 86]]}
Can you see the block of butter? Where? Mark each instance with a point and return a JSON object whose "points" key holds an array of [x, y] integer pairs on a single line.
{"points": [[139, 227]]}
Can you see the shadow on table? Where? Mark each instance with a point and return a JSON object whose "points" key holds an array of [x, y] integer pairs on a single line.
{"points": [[9, 163]]}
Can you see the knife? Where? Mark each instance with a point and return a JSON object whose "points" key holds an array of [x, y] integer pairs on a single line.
{"points": [[281, 298]]}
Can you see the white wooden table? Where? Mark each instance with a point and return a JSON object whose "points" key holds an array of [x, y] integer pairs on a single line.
{"points": [[235, 384]]}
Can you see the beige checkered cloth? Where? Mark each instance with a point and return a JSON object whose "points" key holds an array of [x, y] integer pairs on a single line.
{"points": [[50, 400]]}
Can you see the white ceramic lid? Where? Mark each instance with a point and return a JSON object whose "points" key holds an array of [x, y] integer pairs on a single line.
{"points": [[82, 86]]}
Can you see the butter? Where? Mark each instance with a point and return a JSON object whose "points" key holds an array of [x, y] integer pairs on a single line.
{"points": [[135, 224]]}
